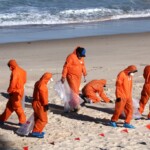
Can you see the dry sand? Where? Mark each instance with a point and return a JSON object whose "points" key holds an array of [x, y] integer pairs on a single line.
{"points": [[87, 130]]}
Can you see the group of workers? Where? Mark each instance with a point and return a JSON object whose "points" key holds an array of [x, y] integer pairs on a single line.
{"points": [[16, 93], [73, 70]]}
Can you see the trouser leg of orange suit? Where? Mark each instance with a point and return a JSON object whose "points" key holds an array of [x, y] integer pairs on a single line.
{"points": [[93, 97], [74, 83], [21, 115], [8, 111], [16, 100], [40, 117], [119, 107], [128, 110], [90, 94], [145, 94], [143, 102]]}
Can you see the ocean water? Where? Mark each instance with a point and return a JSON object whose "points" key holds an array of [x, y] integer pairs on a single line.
{"points": [[30, 20]]}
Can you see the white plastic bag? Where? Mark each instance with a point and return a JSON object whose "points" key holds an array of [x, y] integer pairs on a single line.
{"points": [[23, 99], [63, 91], [136, 113], [27, 127], [71, 99]]}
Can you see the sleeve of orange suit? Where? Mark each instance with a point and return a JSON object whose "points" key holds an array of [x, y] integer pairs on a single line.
{"points": [[84, 69], [43, 95], [119, 84], [13, 81], [103, 96], [66, 65]]}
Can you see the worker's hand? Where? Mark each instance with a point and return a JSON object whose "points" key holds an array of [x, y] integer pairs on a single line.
{"points": [[111, 101], [63, 80], [46, 107], [118, 99]]}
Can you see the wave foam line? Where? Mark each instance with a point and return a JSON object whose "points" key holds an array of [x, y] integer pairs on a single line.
{"points": [[69, 17]]}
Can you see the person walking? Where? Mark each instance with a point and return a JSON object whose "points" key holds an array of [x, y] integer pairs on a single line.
{"points": [[124, 96], [16, 92], [145, 94], [40, 105]]}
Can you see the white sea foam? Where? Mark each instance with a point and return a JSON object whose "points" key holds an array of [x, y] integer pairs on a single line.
{"points": [[138, 14], [36, 17]]}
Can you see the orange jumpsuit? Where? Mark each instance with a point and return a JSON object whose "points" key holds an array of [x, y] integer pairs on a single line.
{"points": [[124, 92], [16, 92], [73, 70], [145, 94], [40, 99], [93, 87]]}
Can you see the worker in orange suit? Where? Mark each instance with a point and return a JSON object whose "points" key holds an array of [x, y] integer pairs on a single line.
{"points": [[16, 92], [94, 87], [124, 96], [145, 94], [73, 70], [40, 105]]}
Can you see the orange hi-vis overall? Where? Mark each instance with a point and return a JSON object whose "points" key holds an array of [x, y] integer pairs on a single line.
{"points": [[92, 88], [145, 94], [40, 99], [124, 92], [73, 70], [16, 92]]}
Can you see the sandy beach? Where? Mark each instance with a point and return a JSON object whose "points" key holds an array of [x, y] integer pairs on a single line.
{"points": [[88, 130]]}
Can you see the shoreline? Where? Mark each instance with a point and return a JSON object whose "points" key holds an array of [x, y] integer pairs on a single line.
{"points": [[38, 33], [80, 38]]}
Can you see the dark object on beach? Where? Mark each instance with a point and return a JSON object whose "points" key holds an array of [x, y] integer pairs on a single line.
{"points": [[143, 143], [53, 143]]}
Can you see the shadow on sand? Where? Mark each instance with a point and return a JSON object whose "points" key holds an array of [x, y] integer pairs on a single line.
{"points": [[5, 144], [106, 109], [9, 126], [28, 99], [6, 95], [59, 110]]}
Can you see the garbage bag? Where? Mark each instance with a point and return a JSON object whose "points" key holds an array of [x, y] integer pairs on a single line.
{"points": [[136, 113], [26, 128], [23, 101], [63, 90], [71, 99]]}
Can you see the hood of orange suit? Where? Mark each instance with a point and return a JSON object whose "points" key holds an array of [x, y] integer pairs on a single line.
{"points": [[131, 68], [146, 73], [12, 63], [102, 81], [46, 77], [74, 52]]}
